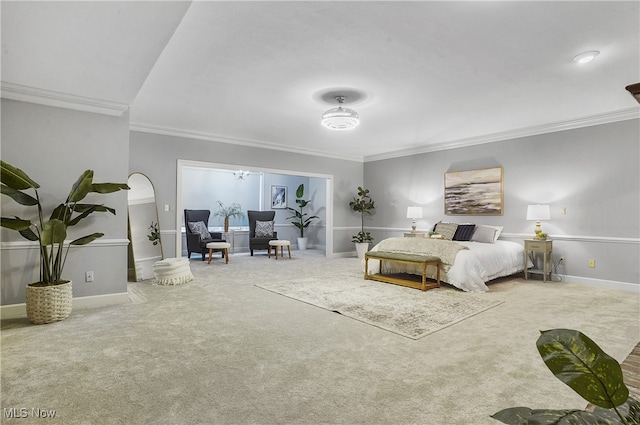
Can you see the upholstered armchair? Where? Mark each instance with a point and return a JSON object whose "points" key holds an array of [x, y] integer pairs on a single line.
{"points": [[260, 240], [196, 226]]}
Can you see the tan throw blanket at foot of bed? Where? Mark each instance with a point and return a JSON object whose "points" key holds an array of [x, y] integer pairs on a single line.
{"points": [[443, 249]]}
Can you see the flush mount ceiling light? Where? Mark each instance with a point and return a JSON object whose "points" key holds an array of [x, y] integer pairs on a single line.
{"points": [[340, 118], [586, 57]]}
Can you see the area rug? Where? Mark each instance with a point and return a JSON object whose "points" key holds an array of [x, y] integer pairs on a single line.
{"points": [[404, 311]]}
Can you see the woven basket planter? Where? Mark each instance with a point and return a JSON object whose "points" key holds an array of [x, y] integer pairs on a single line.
{"points": [[46, 304]]}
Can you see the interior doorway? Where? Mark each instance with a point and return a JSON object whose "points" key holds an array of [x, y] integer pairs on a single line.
{"points": [[322, 185]]}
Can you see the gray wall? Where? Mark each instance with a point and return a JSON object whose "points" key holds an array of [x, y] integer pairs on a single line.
{"points": [[593, 172], [54, 146], [156, 156]]}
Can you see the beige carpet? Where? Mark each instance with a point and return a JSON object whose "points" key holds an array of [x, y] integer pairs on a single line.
{"points": [[406, 311], [221, 351]]}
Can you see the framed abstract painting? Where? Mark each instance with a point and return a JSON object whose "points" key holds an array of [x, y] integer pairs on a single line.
{"points": [[278, 197], [474, 192]]}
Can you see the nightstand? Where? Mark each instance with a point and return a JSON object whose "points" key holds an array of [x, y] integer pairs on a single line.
{"points": [[415, 234], [545, 247]]}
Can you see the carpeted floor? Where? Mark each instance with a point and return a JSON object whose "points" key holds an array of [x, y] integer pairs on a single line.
{"points": [[220, 350]]}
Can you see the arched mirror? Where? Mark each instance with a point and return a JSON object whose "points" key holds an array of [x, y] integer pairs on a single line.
{"points": [[145, 247]]}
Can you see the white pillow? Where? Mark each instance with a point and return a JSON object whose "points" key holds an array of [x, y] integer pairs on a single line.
{"points": [[200, 228], [264, 229], [486, 234], [498, 231]]}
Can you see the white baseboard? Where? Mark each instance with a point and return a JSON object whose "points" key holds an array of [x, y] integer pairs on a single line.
{"points": [[601, 283], [344, 254], [15, 311]]}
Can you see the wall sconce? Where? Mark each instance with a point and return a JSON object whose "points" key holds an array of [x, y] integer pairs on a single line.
{"points": [[413, 213], [538, 213]]}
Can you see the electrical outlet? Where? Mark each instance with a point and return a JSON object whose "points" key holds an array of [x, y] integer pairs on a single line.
{"points": [[592, 263], [561, 261], [88, 276]]}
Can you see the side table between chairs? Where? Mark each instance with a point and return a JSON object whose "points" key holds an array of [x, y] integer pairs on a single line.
{"points": [[279, 243], [224, 246]]}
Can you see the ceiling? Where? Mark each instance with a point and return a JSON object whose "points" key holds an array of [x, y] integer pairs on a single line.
{"points": [[422, 75]]}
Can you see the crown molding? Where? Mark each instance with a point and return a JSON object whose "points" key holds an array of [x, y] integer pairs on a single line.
{"points": [[29, 94], [605, 118], [190, 134]]}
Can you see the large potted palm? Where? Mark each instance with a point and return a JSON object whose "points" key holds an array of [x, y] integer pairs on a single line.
{"points": [[364, 205], [50, 299], [300, 219]]}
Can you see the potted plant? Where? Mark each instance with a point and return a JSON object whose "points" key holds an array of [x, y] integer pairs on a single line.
{"points": [[49, 299], [300, 217], [597, 377], [233, 210], [154, 233], [364, 205]]}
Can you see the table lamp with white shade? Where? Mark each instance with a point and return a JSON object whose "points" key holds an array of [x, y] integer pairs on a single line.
{"points": [[538, 213], [413, 213]]}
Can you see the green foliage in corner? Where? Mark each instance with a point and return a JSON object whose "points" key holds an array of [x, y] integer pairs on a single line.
{"points": [[597, 377]]}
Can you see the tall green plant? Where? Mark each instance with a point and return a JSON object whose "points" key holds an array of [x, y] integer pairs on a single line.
{"points": [[300, 217], [52, 233], [597, 377], [364, 205]]}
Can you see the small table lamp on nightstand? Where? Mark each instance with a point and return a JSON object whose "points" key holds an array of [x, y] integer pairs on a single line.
{"points": [[413, 213], [538, 213]]}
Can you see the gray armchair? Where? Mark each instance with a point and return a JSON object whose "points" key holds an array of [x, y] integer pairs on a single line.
{"points": [[195, 243], [259, 242]]}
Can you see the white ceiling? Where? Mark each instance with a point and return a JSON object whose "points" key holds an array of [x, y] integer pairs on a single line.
{"points": [[431, 74]]}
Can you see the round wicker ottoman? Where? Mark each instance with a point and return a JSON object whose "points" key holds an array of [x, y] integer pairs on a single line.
{"points": [[172, 271], [224, 246]]}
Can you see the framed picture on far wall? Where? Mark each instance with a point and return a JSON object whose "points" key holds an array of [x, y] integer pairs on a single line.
{"points": [[278, 197], [474, 192]]}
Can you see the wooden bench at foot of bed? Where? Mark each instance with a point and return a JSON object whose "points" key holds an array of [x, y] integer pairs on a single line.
{"points": [[398, 257]]}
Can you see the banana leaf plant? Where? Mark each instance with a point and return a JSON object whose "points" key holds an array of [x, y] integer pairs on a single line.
{"points": [[51, 233], [300, 217], [597, 377]]}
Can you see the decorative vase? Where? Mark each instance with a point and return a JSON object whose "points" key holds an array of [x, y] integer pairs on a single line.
{"points": [[226, 224], [302, 243], [46, 304], [361, 249]]}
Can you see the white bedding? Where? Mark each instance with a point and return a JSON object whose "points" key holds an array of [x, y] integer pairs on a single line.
{"points": [[472, 267]]}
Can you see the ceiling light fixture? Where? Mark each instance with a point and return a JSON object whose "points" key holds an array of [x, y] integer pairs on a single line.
{"points": [[586, 57], [240, 174], [340, 118]]}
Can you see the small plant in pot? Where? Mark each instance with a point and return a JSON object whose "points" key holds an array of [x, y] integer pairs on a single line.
{"points": [[49, 299], [234, 210], [300, 218], [364, 205]]}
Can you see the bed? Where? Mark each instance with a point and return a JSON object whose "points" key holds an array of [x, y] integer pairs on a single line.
{"points": [[465, 264]]}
